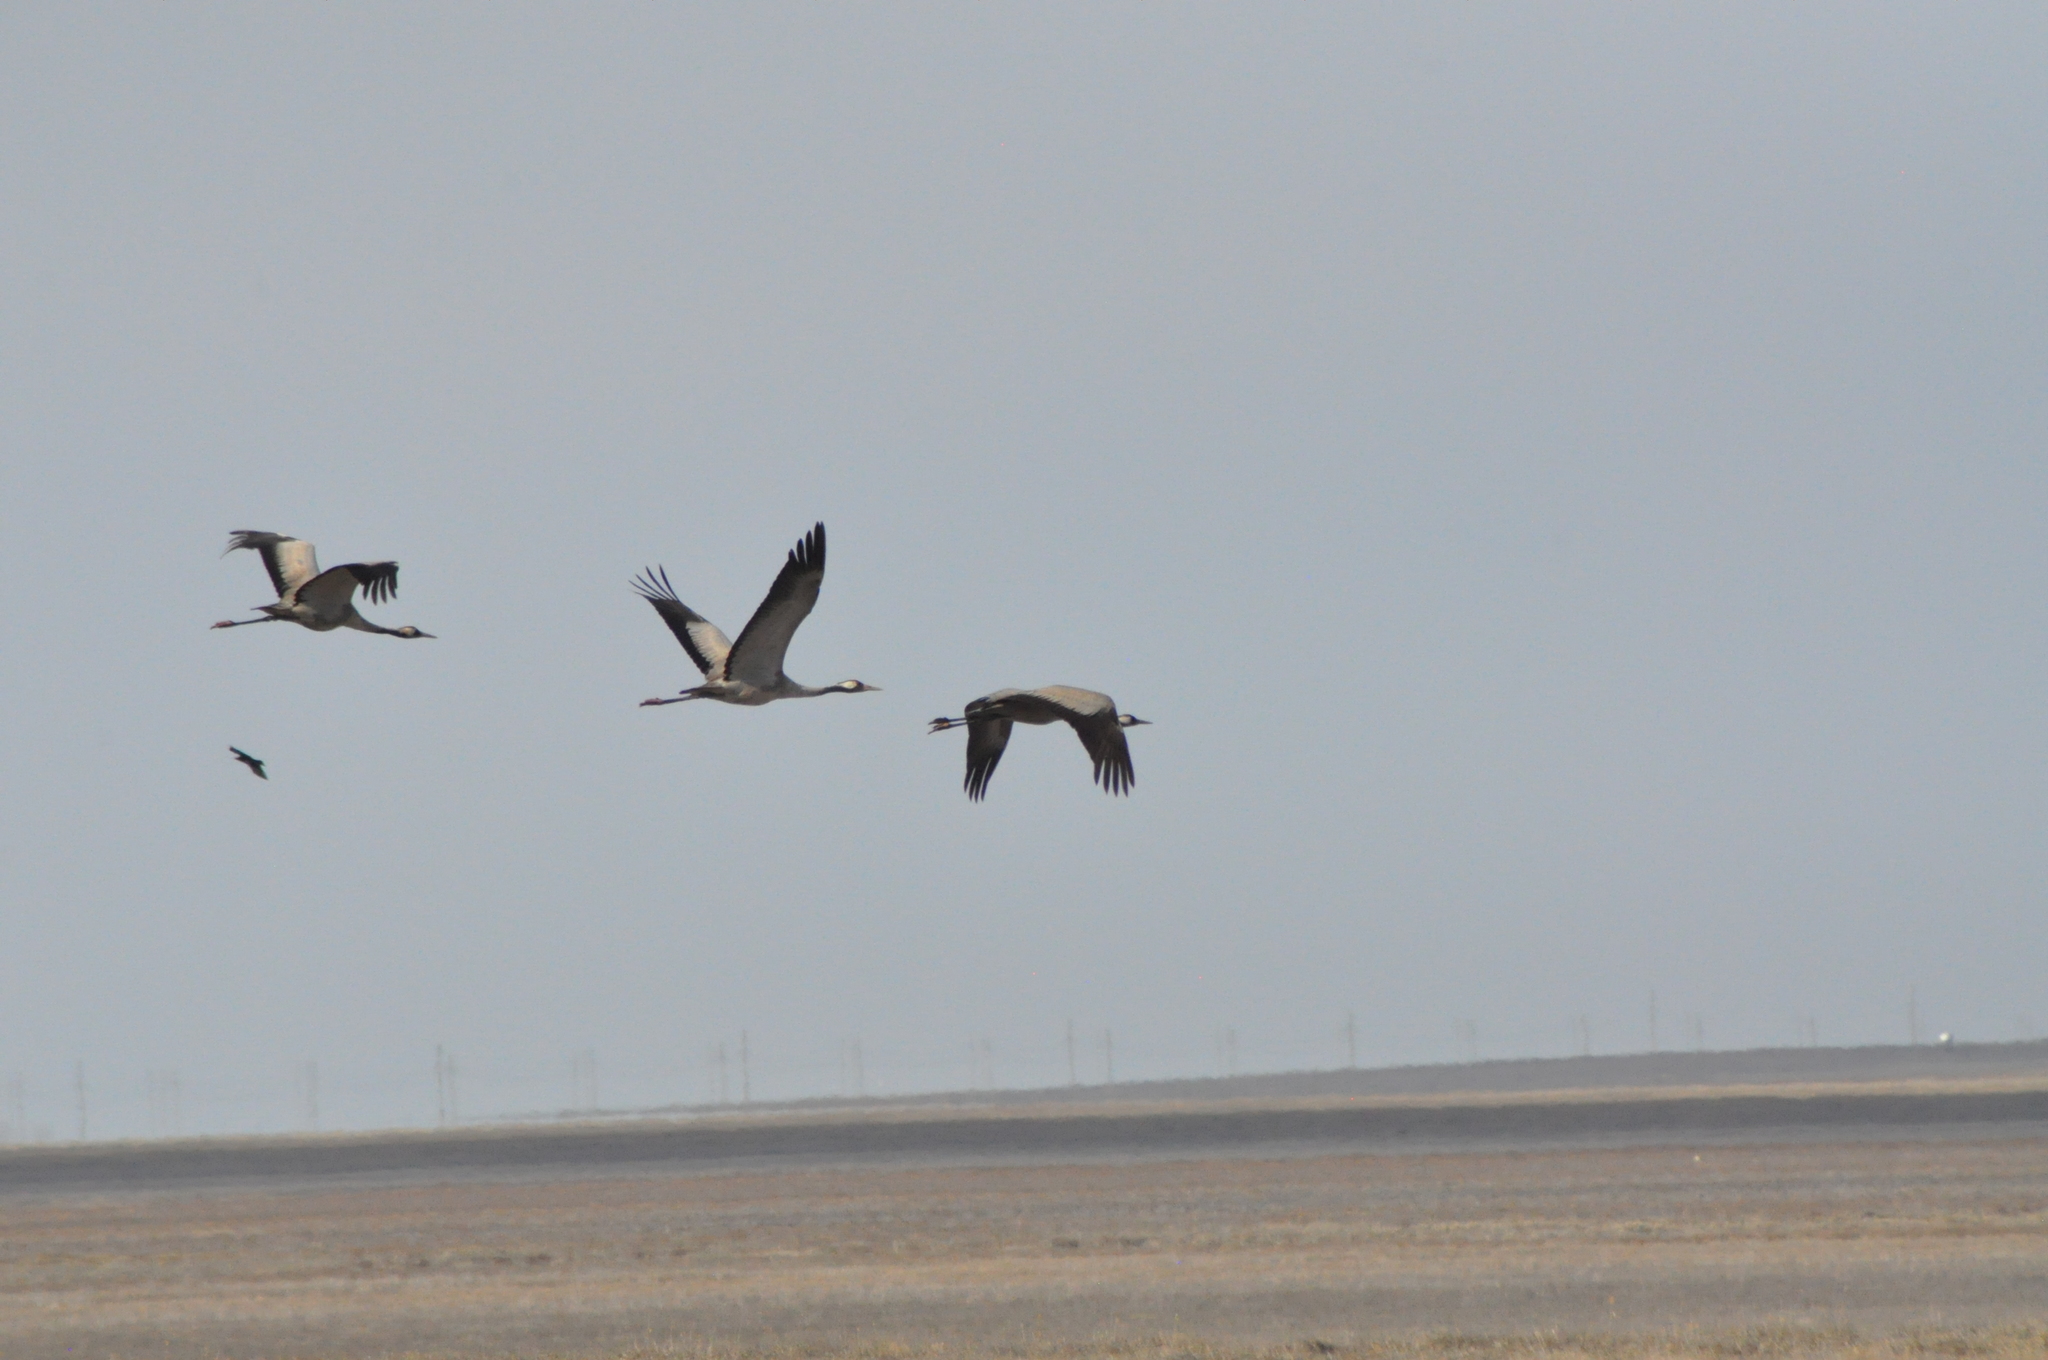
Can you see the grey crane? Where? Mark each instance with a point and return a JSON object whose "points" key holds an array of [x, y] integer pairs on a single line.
{"points": [[1092, 716], [312, 598], [255, 765], [749, 671]]}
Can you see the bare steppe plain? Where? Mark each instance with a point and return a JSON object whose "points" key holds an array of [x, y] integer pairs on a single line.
{"points": [[1906, 1215]]}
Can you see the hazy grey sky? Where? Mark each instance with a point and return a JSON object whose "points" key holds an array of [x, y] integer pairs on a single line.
{"points": [[1566, 482]]}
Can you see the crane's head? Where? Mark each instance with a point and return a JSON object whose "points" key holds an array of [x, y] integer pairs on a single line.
{"points": [[856, 687], [1132, 720], [409, 632]]}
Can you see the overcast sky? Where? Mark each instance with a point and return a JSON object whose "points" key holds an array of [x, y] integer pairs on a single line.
{"points": [[1566, 483]]}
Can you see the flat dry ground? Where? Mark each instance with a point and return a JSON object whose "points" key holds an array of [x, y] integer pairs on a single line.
{"points": [[1816, 1248]]}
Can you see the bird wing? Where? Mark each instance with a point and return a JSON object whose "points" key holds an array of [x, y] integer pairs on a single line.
{"points": [[329, 595], [289, 560], [757, 655], [1104, 738], [1067, 702], [255, 765], [1092, 715], [700, 637], [986, 739], [379, 580]]}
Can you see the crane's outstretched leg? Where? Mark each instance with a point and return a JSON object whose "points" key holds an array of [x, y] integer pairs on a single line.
{"points": [[237, 623], [654, 703]]}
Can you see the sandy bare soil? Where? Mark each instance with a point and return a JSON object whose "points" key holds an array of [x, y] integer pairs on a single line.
{"points": [[1840, 1248]]}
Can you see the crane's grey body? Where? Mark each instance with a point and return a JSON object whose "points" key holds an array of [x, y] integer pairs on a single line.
{"points": [[749, 671], [312, 598], [1093, 717]]}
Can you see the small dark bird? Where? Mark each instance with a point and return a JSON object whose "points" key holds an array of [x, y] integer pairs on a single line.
{"points": [[255, 765], [1092, 716]]}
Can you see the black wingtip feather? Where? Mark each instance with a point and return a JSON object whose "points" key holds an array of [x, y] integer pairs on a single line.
{"points": [[377, 580], [650, 588], [809, 551], [1114, 778]]}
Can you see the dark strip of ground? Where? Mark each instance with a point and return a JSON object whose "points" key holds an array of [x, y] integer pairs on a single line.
{"points": [[1018, 1137]]}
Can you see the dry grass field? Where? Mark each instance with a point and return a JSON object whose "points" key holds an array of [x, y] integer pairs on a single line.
{"points": [[1856, 1248]]}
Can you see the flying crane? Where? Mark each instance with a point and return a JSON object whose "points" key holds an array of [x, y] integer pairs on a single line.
{"points": [[749, 671], [312, 598], [1093, 717]]}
